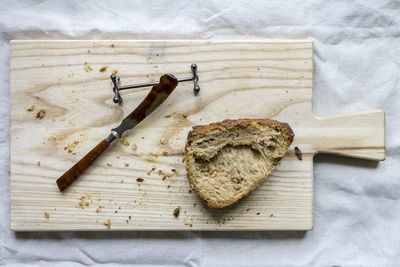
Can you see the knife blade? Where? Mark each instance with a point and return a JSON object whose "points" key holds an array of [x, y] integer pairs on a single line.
{"points": [[157, 95]]}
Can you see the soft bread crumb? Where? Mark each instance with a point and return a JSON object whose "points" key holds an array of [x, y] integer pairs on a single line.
{"points": [[38, 163], [169, 114], [163, 141], [87, 67], [107, 223], [124, 141], [103, 68], [40, 115], [152, 158], [46, 215], [31, 108], [70, 147]]}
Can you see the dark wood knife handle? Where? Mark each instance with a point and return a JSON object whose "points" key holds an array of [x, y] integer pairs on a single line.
{"points": [[69, 176]]}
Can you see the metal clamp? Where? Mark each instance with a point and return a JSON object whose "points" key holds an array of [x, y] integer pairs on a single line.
{"points": [[116, 81]]}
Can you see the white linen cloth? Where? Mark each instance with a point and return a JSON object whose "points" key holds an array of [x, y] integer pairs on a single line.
{"points": [[357, 68]]}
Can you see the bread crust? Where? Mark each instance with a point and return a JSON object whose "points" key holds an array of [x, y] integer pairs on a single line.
{"points": [[226, 125]]}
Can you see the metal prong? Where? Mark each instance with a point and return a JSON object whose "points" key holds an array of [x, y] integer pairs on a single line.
{"points": [[196, 87], [116, 81]]}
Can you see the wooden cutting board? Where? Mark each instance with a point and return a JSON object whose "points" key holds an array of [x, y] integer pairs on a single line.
{"points": [[238, 79]]}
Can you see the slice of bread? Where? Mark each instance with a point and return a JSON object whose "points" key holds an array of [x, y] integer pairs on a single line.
{"points": [[227, 160]]}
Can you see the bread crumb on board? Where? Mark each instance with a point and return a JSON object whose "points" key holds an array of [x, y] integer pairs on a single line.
{"points": [[126, 164], [169, 114], [84, 201], [40, 115], [139, 180], [87, 67], [46, 215], [107, 223], [70, 147], [103, 68], [271, 215], [124, 141], [298, 153], [31, 108], [122, 181], [99, 208], [115, 71], [109, 164], [176, 212], [38, 163], [164, 174], [163, 141], [152, 158], [134, 146]]}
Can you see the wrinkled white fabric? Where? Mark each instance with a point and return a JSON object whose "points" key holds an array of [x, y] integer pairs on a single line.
{"points": [[357, 67]]}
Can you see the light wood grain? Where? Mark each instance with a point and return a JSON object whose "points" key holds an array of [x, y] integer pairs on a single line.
{"points": [[256, 79]]}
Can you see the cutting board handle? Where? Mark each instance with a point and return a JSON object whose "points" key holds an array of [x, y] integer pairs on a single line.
{"points": [[359, 134]]}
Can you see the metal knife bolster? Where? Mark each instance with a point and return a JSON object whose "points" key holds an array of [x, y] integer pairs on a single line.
{"points": [[117, 132]]}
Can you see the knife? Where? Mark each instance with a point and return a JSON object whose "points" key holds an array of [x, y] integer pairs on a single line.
{"points": [[155, 98]]}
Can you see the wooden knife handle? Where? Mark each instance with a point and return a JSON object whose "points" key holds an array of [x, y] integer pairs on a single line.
{"points": [[69, 176]]}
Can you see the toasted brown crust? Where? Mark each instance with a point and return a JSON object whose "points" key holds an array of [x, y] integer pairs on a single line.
{"points": [[202, 129], [226, 124]]}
